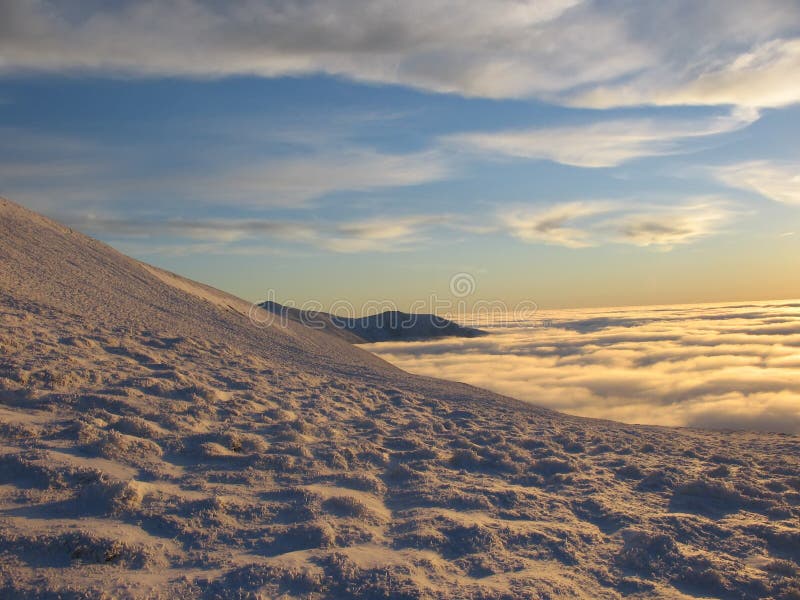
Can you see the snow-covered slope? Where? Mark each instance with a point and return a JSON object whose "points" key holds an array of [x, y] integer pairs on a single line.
{"points": [[155, 443]]}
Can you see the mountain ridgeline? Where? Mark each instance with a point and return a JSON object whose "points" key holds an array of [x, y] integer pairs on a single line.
{"points": [[382, 327]]}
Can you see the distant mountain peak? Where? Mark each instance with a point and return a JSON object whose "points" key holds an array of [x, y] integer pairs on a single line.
{"points": [[380, 327]]}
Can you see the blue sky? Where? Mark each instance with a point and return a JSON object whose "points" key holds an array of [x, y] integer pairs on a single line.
{"points": [[573, 153]]}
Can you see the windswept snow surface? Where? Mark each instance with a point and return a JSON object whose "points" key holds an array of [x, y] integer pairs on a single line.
{"points": [[155, 443]]}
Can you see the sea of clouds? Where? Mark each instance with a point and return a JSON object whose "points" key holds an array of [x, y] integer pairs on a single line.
{"points": [[720, 366]]}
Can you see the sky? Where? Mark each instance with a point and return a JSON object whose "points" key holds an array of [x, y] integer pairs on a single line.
{"points": [[570, 153]]}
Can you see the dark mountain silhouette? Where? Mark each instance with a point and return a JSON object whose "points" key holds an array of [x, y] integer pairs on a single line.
{"points": [[382, 327]]}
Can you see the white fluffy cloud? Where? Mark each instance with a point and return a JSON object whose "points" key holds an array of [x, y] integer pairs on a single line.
{"points": [[580, 51], [734, 366]]}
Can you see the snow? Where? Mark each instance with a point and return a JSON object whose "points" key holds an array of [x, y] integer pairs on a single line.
{"points": [[155, 443]]}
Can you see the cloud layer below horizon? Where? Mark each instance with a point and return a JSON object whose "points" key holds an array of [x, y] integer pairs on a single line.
{"points": [[715, 366]]}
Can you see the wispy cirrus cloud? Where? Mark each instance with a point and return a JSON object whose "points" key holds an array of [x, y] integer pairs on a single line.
{"points": [[302, 181], [592, 223], [297, 180], [668, 226], [57, 170], [606, 143], [761, 76], [568, 224], [281, 181], [574, 51], [208, 230], [440, 45], [213, 235], [778, 181], [384, 234], [561, 224]]}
